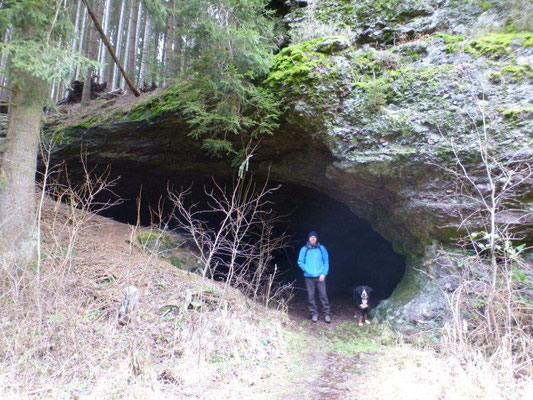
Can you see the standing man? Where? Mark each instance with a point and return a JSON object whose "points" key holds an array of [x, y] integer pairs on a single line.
{"points": [[313, 260]]}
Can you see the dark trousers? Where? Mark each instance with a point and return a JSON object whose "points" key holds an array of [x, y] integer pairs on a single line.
{"points": [[311, 283]]}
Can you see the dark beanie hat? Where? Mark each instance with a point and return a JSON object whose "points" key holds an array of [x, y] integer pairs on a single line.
{"points": [[312, 233]]}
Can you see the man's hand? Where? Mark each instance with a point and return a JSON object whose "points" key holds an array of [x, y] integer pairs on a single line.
{"points": [[322, 277]]}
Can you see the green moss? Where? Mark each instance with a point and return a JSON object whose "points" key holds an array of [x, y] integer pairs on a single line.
{"points": [[351, 339], [452, 42], [450, 38], [492, 45], [516, 115], [485, 5], [298, 64], [495, 76], [342, 11], [157, 105], [63, 134], [445, 154], [407, 288], [517, 72], [155, 240], [426, 79], [385, 82], [3, 180], [351, 13], [512, 73], [411, 54], [87, 122], [496, 45]]}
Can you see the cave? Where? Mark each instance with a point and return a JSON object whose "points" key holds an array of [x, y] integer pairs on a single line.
{"points": [[358, 255]]}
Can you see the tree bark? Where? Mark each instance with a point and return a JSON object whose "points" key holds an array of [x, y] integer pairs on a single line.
{"points": [[92, 50], [102, 50], [169, 41], [120, 34], [135, 71], [177, 44], [132, 34], [128, 41], [4, 94], [155, 58], [145, 51], [111, 51], [18, 238], [82, 40]]}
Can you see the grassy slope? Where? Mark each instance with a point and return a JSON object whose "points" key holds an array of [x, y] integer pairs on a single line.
{"points": [[59, 338]]}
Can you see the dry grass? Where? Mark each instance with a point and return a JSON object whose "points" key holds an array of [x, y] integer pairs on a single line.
{"points": [[404, 372], [58, 332], [191, 339]]}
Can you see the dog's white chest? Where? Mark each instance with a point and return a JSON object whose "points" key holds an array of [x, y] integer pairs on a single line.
{"points": [[364, 304]]}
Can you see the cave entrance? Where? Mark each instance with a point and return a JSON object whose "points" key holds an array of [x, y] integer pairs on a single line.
{"points": [[358, 254]]}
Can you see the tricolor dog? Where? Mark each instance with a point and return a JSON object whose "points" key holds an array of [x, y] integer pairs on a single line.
{"points": [[361, 297]]}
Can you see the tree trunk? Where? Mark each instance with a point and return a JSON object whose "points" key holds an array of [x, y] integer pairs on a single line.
{"points": [[102, 50], [132, 35], [136, 63], [17, 175], [4, 77], [128, 40], [92, 52], [177, 44], [120, 34], [156, 76], [77, 25], [82, 40], [169, 41], [75, 38], [112, 35], [146, 50]]}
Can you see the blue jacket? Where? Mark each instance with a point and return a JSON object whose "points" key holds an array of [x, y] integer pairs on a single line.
{"points": [[314, 261]]}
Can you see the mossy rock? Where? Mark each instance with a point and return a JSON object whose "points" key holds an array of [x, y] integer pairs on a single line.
{"points": [[407, 288], [303, 63], [156, 241], [498, 45], [517, 115], [157, 105]]}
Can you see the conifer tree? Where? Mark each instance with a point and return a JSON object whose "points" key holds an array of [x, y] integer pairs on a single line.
{"points": [[34, 60]]}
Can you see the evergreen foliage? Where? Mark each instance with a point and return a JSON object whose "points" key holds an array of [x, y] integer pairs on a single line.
{"points": [[37, 28], [220, 93]]}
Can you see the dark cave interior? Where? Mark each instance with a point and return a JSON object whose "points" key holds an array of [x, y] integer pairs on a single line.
{"points": [[358, 255]]}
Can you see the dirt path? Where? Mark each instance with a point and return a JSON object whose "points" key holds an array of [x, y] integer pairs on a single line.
{"points": [[328, 360]]}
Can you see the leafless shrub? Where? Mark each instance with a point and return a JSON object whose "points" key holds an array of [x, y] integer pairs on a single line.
{"points": [[59, 335], [240, 247], [493, 303]]}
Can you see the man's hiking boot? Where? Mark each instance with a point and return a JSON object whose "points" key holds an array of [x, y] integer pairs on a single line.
{"points": [[327, 318], [314, 318]]}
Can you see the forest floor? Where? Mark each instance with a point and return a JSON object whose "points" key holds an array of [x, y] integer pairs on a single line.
{"points": [[60, 340]]}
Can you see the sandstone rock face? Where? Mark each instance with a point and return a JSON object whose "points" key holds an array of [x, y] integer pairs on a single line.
{"points": [[369, 120], [389, 106], [387, 118]]}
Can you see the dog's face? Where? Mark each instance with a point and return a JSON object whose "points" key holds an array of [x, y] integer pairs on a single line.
{"points": [[363, 292]]}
